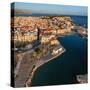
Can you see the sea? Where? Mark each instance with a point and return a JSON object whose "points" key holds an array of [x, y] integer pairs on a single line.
{"points": [[64, 69]]}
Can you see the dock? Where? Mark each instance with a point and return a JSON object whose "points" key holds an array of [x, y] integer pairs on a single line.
{"points": [[81, 31], [26, 68]]}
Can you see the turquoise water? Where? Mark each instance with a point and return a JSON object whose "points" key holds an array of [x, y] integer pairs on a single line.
{"points": [[64, 68]]}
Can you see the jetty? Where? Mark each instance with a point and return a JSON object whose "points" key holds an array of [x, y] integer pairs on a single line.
{"points": [[26, 67], [82, 31]]}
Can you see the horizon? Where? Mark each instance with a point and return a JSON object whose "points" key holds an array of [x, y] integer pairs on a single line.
{"points": [[36, 8]]}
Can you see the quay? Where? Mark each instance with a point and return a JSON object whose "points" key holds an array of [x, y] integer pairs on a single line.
{"points": [[26, 67], [81, 31]]}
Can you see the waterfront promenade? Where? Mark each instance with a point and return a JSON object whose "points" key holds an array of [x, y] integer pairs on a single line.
{"points": [[27, 68]]}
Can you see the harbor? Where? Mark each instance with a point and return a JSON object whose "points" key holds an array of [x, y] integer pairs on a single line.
{"points": [[27, 68], [39, 42]]}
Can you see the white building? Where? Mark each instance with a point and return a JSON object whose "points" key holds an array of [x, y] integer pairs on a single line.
{"points": [[56, 51]]}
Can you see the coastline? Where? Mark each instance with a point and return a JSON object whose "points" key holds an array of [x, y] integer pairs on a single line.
{"points": [[33, 66], [25, 69], [29, 81]]}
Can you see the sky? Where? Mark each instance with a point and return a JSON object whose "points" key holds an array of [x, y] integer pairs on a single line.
{"points": [[52, 9]]}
